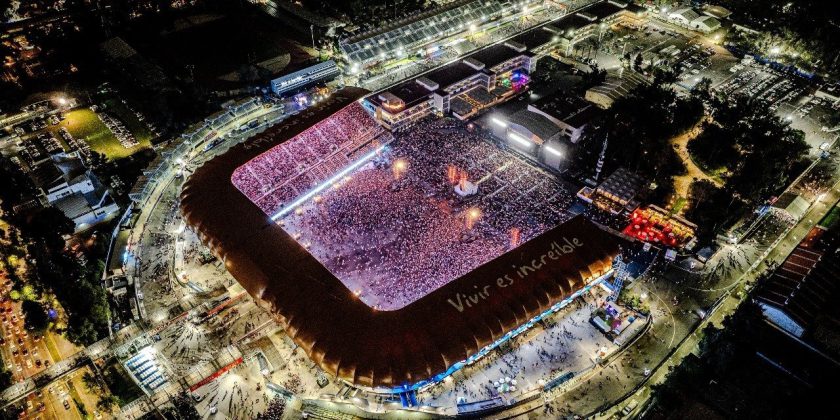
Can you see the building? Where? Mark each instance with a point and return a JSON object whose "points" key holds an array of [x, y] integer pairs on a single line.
{"points": [[614, 88], [462, 88], [705, 24], [569, 112], [716, 11], [593, 21], [422, 34], [304, 78], [617, 193], [467, 87], [66, 184], [683, 16], [800, 297], [534, 135]]}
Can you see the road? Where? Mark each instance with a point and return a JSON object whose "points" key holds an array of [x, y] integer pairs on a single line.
{"points": [[732, 298]]}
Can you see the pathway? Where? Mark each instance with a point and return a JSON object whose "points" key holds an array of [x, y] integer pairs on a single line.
{"points": [[682, 183]]}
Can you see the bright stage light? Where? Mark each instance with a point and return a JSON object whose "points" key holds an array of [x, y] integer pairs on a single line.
{"points": [[499, 122], [326, 184], [519, 139], [553, 151]]}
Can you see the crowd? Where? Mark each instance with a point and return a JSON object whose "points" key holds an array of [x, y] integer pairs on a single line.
{"points": [[566, 343], [292, 168], [275, 409], [394, 236]]}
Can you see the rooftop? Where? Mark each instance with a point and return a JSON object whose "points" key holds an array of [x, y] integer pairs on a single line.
{"points": [[409, 92], [805, 285], [450, 74], [495, 55], [541, 126], [571, 109]]}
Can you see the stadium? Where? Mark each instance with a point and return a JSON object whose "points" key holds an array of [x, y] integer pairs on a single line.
{"points": [[393, 259]]}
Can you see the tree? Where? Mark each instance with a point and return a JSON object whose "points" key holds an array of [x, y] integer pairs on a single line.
{"points": [[594, 77], [702, 90], [5, 376], [637, 64], [15, 185], [91, 383], [107, 402], [82, 333], [711, 208], [97, 159], [664, 76], [50, 224], [184, 409], [650, 115], [35, 317]]}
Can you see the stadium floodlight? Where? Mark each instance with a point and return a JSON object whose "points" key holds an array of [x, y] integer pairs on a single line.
{"points": [[327, 183], [499, 122], [519, 139], [553, 151]]}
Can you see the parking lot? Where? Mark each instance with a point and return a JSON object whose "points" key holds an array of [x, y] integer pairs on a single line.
{"points": [[695, 57]]}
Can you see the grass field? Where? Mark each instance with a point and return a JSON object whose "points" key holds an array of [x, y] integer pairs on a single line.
{"points": [[831, 219], [85, 124]]}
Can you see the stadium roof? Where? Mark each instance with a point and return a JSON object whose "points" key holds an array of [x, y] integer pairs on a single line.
{"points": [[451, 74], [410, 92], [805, 286], [422, 29], [537, 38], [495, 55], [339, 332], [604, 9]]}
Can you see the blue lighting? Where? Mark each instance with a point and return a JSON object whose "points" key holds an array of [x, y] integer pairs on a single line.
{"points": [[327, 183]]}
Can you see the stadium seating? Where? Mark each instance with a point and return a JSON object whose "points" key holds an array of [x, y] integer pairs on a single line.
{"points": [[290, 169]]}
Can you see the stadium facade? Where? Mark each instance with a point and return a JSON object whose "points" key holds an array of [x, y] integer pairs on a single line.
{"points": [[461, 88], [492, 75], [397, 350]]}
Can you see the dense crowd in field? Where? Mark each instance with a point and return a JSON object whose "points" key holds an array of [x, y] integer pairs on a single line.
{"points": [[396, 230]]}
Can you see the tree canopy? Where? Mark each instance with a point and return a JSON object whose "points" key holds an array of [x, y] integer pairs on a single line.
{"points": [[758, 151], [640, 128]]}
